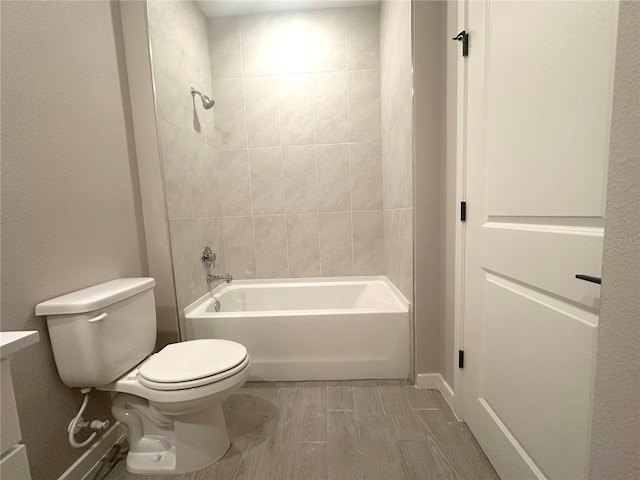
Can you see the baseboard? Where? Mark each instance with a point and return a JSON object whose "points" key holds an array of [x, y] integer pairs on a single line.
{"points": [[90, 460], [437, 382]]}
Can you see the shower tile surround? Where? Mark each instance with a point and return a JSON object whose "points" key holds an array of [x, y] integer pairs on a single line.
{"points": [[298, 99], [396, 79], [293, 150], [180, 59]]}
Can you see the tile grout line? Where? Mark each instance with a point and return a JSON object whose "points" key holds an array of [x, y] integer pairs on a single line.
{"points": [[246, 131], [258, 147], [300, 73], [284, 199], [346, 78], [315, 163]]}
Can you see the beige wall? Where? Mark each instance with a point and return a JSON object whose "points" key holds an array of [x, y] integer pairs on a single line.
{"points": [[615, 442], [450, 209], [396, 80], [70, 206], [430, 184]]}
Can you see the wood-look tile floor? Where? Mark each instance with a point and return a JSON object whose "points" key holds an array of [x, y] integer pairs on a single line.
{"points": [[370, 429]]}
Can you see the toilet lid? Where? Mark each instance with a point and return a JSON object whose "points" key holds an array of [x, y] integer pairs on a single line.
{"points": [[196, 362]]}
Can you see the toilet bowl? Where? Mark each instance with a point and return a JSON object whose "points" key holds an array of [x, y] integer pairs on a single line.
{"points": [[170, 401]]}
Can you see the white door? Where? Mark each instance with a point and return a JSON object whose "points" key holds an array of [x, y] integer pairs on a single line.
{"points": [[539, 95]]}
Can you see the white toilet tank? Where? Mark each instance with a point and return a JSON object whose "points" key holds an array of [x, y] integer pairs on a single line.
{"points": [[99, 333]]}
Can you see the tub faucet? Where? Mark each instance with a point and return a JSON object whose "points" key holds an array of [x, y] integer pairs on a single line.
{"points": [[213, 278], [208, 258]]}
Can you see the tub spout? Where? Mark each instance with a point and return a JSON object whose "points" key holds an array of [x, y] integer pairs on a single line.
{"points": [[213, 278]]}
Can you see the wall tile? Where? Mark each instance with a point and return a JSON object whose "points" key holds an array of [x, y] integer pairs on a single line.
{"points": [[271, 247], [161, 13], [395, 60], [234, 181], [405, 155], [363, 39], [178, 35], [396, 82], [291, 43], [267, 190], [285, 107], [182, 240], [230, 121], [398, 249], [328, 44], [169, 62], [188, 237], [303, 244], [368, 245], [397, 164], [336, 256], [366, 176], [257, 37], [216, 242], [210, 125], [364, 105], [300, 181], [296, 109], [203, 174], [175, 164], [388, 145], [333, 178], [225, 49], [404, 52], [202, 235], [330, 107], [239, 246], [196, 116], [263, 116]]}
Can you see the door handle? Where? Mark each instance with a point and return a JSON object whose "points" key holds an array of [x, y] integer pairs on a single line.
{"points": [[589, 278]]}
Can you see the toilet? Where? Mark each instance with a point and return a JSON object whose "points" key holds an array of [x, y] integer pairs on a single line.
{"points": [[170, 401]]}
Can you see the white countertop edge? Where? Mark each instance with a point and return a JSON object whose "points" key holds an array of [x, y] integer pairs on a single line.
{"points": [[12, 342]]}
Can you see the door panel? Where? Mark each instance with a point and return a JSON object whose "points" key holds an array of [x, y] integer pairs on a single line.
{"points": [[552, 61], [550, 387], [531, 256], [539, 95]]}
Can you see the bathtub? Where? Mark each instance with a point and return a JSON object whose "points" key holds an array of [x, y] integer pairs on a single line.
{"points": [[310, 329]]}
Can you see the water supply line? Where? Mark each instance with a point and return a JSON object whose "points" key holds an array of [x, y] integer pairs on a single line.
{"points": [[78, 423]]}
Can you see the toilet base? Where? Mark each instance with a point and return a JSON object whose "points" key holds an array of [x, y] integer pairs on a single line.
{"points": [[173, 432], [149, 463], [192, 442], [159, 463]]}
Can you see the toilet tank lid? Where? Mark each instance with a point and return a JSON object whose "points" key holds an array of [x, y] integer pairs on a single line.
{"points": [[96, 297]]}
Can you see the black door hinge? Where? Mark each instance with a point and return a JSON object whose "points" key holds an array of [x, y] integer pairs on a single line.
{"points": [[463, 211], [464, 38], [460, 358]]}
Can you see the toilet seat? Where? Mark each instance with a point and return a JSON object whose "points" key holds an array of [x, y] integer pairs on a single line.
{"points": [[191, 364]]}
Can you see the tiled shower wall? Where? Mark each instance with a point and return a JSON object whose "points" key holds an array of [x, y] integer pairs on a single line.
{"points": [[397, 142], [297, 133], [180, 56], [283, 177]]}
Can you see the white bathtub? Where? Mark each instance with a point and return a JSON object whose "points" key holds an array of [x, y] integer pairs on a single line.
{"points": [[310, 329]]}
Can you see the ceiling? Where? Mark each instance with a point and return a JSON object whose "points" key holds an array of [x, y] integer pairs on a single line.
{"points": [[227, 8]]}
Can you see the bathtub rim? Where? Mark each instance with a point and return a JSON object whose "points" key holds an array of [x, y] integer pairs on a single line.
{"points": [[197, 304]]}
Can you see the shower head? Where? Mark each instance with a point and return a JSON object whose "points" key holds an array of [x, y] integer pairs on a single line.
{"points": [[207, 103]]}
